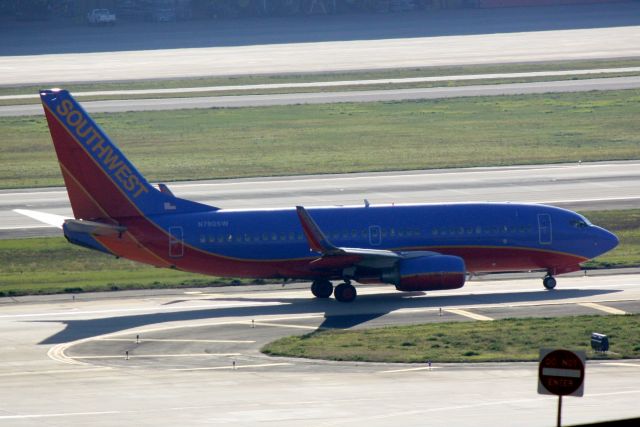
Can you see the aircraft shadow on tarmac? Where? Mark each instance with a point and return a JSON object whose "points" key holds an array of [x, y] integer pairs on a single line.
{"points": [[336, 314]]}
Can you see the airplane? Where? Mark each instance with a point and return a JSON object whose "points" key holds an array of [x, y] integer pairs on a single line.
{"points": [[418, 247]]}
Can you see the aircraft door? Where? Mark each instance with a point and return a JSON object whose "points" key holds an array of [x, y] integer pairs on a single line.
{"points": [[544, 229], [176, 245], [375, 235]]}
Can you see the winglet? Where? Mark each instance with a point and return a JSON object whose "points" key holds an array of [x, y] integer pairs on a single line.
{"points": [[318, 242]]}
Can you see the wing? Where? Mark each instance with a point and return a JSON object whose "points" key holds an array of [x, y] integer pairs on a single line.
{"points": [[333, 257]]}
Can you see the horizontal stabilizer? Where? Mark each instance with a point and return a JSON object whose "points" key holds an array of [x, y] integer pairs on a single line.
{"points": [[94, 228], [46, 218]]}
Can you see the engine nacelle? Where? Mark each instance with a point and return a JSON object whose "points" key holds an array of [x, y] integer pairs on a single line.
{"points": [[427, 273]]}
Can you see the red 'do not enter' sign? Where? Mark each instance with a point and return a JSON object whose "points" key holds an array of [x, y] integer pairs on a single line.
{"points": [[561, 372]]}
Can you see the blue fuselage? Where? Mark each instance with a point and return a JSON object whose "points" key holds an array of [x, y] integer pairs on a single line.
{"points": [[488, 236]]}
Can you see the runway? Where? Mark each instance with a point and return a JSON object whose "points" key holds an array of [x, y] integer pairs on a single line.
{"points": [[65, 361], [234, 101], [583, 186]]}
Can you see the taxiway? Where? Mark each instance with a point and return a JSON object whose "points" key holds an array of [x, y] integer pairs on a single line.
{"points": [[193, 358]]}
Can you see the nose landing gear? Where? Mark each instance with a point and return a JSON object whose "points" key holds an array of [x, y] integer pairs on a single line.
{"points": [[549, 282]]}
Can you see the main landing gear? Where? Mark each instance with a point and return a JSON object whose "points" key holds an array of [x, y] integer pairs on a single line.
{"points": [[323, 288], [549, 282], [345, 292]]}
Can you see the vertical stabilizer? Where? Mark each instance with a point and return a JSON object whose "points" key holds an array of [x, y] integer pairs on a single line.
{"points": [[100, 180]]}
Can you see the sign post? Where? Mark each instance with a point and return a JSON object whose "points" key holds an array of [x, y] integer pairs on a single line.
{"points": [[561, 372]]}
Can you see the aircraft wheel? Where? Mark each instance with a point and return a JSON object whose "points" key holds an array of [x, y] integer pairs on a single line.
{"points": [[549, 282], [322, 288], [345, 292]]}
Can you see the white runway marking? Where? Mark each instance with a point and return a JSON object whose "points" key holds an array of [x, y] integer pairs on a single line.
{"points": [[422, 368], [216, 304], [140, 356], [468, 314], [216, 368], [68, 414], [285, 325], [56, 371], [176, 340], [623, 364], [600, 307]]}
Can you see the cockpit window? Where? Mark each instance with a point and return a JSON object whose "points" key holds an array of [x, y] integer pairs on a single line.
{"points": [[579, 223]]}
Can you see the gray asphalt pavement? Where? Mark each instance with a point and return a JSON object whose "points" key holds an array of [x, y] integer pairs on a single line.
{"points": [[65, 361], [556, 45]]}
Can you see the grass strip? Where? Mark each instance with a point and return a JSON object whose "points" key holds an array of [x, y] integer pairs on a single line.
{"points": [[334, 76], [349, 137], [51, 265], [507, 340], [320, 89]]}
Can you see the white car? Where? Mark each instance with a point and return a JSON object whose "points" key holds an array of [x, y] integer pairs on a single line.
{"points": [[101, 17]]}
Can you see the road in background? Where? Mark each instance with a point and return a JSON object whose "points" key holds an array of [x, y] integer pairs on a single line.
{"points": [[323, 56], [587, 186], [59, 36]]}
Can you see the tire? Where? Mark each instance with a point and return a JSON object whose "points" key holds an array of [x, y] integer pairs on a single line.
{"points": [[345, 292], [549, 282], [322, 288]]}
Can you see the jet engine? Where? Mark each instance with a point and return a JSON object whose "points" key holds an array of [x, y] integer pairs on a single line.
{"points": [[427, 273]]}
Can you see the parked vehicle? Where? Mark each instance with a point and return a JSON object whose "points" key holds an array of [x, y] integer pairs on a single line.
{"points": [[101, 17]]}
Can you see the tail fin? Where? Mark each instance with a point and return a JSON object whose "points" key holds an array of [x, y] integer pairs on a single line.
{"points": [[101, 182]]}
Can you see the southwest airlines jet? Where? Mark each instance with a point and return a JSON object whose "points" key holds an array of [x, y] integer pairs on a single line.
{"points": [[413, 247]]}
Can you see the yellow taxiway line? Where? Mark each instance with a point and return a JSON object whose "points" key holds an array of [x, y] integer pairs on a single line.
{"points": [[601, 307], [466, 313]]}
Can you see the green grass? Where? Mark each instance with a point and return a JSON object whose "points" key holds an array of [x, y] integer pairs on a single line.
{"points": [[335, 76], [494, 341], [51, 265], [350, 137]]}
